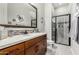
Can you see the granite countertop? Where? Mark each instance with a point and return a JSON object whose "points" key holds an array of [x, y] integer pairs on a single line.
{"points": [[18, 39]]}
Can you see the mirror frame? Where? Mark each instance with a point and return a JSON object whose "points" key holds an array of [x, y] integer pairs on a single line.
{"points": [[36, 14]]}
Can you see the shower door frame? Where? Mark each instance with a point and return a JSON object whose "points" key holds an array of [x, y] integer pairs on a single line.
{"points": [[56, 28]]}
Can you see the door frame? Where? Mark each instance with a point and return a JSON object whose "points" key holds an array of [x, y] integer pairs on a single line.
{"points": [[56, 28]]}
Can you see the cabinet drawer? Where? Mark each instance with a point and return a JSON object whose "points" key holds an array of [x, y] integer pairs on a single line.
{"points": [[41, 47], [13, 50], [37, 49], [32, 42], [32, 50]]}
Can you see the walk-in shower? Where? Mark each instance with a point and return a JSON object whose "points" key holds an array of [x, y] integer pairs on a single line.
{"points": [[62, 28]]}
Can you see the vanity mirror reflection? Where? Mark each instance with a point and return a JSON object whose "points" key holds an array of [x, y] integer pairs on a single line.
{"points": [[21, 15]]}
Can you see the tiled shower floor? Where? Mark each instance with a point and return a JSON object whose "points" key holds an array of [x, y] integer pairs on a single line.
{"points": [[59, 50]]}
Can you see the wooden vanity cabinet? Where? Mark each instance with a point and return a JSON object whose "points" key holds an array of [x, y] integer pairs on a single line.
{"points": [[35, 46]]}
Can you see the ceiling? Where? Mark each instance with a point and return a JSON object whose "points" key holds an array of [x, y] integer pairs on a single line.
{"points": [[57, 5]]}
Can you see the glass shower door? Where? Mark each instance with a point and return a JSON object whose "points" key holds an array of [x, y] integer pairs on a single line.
{"points": [[62, 25]]}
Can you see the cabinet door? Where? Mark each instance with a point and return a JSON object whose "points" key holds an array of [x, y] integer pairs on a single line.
{"points": [[19, 49], [38, 49], [42, 47], [44, 43], [13, 50], [32, 42], [8, 51], [32, 50]]}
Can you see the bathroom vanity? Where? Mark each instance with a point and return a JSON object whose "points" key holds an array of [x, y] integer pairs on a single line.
{"points": [[28, 44]]}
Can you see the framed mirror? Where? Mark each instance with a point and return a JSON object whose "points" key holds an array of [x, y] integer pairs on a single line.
{"points": [[22, 14]]}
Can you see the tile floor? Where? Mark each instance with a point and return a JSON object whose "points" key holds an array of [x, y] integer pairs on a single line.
{"points": [[58, 49]]}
